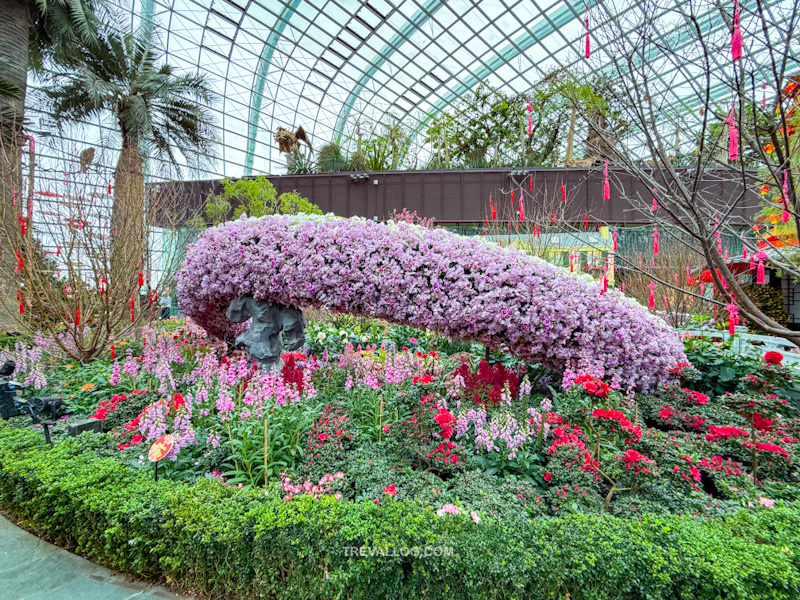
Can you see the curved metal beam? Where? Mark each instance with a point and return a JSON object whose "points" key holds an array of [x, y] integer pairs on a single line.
{"points": [[417, 20], [257, 97]]}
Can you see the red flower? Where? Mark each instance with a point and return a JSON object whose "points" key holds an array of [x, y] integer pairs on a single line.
{"points": [[547, 476], [773, 358], [423, 379], [100, 414], [177, 400], [390, 489], [137, 439]]}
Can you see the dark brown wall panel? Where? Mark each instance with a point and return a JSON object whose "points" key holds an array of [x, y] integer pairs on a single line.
{"points": [[454, 196]]}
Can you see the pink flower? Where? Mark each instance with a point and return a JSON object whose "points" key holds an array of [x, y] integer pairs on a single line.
{"points": [[137, 439], [547, 476], [475, 517], [391, 490], [413, 340], [766, 502]]}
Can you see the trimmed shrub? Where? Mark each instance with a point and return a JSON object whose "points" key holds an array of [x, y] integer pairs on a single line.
{"points": [[223, 542]]}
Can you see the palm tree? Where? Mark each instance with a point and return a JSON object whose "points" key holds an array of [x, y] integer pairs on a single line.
{"points": [[153, 106], [32, 32]]}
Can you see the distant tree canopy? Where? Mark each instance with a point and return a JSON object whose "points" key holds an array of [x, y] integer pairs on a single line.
{"points": [[255, 198]]}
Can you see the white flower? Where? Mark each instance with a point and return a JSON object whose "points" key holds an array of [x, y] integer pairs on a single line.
{"points": [[321, 336]]}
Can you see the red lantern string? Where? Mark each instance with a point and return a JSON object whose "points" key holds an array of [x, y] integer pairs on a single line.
{"points": [[103, 285], [571, 263], [521, 209], [141, 279], [736, 38], [752, 262]]}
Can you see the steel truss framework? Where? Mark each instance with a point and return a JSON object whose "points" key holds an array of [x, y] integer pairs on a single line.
{"points": [[323, 64]]}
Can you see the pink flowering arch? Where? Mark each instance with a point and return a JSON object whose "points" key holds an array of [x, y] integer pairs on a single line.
{"points": [[459, 286]]}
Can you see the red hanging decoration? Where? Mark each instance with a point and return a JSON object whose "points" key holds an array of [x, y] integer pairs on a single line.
{"points": [[656, 235], [530, 184], [109, 186], [586, 22], [606, 184], [141, 279], [19, 261], [614, 236], [571, 263], [752, 262], [21, 224], [760, 273], [764, 95], [733, 137], [77, 318], [133, 308], [744, 252], [733, 317], [521, 209], [113, 353], [786, 216], [494, 212], [553, 216], [563, 192], [655, 203], [666, 303], [652, 303], [586, 222], [102, 285], [736, 39], [512, 197], [529, 108]]}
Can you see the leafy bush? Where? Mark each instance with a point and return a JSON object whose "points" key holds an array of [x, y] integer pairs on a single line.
{"points": [[224, 542]]}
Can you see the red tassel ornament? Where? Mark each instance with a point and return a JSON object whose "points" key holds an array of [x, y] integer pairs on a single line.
{"points": [[656, 235], [652, 287], [736, 39], [761, 272], [588, 47], [606, 185], [614, 236], [733, 138]]}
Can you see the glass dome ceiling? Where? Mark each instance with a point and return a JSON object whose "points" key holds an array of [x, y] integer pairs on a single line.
{"points": [[324, 64]]}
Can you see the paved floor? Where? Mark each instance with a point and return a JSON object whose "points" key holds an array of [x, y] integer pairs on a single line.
{"points": [[32, 569]]}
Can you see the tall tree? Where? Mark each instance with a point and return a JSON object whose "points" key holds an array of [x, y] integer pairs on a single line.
{"points": [[702, 110], [32, 32], [154, 107]]}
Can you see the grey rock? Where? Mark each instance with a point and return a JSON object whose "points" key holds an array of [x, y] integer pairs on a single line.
{"points": [[263, 338]]}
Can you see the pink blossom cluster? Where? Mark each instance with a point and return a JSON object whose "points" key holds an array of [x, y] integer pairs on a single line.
{"points": [[325, 486], [461, 287]]}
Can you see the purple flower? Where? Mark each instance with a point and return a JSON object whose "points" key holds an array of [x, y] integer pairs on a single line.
{"points": [[461, 287]]}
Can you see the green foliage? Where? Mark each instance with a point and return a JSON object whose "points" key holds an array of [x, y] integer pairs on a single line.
{"points": [[769, 300], [255, 198], [154, 106], [331, 160], [722, 368], [299, 163], [488, 128], [225, 542]]}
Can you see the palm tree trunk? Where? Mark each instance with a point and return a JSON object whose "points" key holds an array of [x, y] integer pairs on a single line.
{"points": [[14, 24], [128, 241]]}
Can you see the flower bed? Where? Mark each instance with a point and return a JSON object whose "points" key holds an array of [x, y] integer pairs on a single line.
{"points": [[222, 542], [461, 287]]}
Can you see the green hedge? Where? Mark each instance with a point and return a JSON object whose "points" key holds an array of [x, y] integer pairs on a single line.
{"points": [[226, 543]]}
